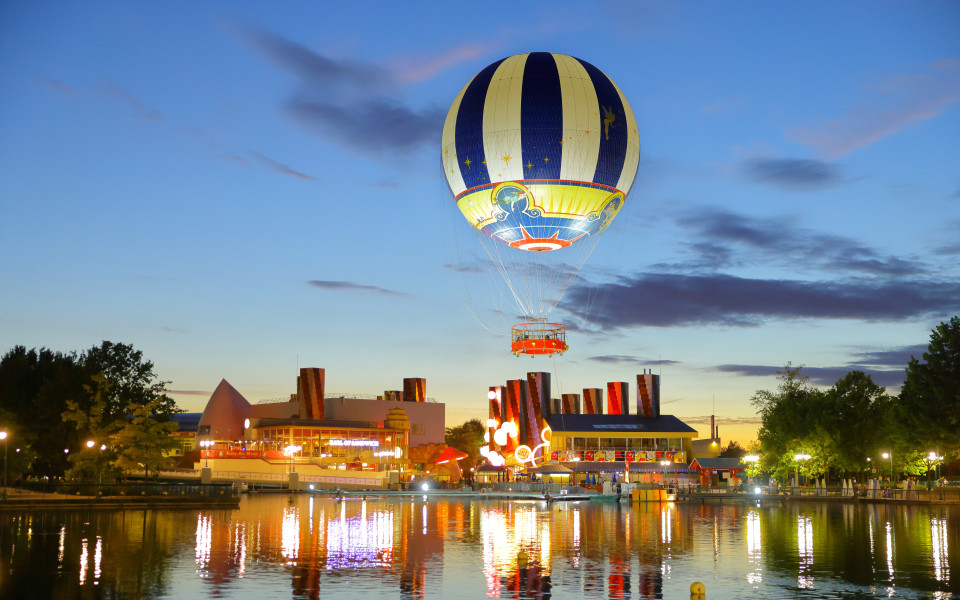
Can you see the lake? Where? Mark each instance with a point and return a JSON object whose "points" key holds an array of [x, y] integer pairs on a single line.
{"points": [[278, 546]]}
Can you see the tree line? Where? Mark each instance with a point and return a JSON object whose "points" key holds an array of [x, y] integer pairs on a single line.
{"points": [[848, 428], [53, 404]]}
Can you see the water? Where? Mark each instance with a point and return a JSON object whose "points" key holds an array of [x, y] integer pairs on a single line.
{"points": [[313, 547]]}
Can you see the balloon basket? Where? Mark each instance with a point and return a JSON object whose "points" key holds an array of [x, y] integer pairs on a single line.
{"points": [[538, 338]]}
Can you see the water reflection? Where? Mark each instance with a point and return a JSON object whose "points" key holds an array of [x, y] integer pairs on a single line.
{"points": [[316, 547]]}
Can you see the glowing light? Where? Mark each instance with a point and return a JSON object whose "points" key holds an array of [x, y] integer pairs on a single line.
{"points": [[246, 423], [204, 540], [496, 459], [425, 487], [491, 395], [371, 443], [491, 423], [484, 451], [523, 453], [486, 436], [500, 437], [756, 490], [84, 557]]}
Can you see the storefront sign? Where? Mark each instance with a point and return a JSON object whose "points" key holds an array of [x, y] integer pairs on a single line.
{"points": [[370, 443]]}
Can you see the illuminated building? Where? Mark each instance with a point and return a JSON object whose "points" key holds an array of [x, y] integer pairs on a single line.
{"points": [[523, 431], [312, 432]]}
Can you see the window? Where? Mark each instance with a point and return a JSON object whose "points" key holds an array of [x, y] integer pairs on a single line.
{"points": [[416, 429]]}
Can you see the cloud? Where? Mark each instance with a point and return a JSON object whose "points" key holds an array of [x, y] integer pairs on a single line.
{"points": [[718, 420], [625, 359], [141, 110], [347, 286], [412, 72], [317, 71], [464, 268], [893, 357], [826, 376], [664, 299], [188, 392], [778, 239], [896, 102], [279, 167], [60, 87], [353, 103], [793, 173], [379, 126]]}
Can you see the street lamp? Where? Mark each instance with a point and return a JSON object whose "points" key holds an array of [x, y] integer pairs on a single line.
{"points": [[890, 456], [664, 463], [206, 444], [798, 458], [3, 436], [91, 444]]}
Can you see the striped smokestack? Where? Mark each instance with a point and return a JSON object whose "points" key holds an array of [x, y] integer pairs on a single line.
{"points": [[618, 398], [592, 401], [310, 393]]}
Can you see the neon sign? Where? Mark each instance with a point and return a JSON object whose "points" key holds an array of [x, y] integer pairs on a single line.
{"points": [[369, 443], [525, 454]]}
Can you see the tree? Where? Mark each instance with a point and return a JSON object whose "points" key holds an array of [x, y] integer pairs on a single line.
{"points": [[133, 381], [733, 450], [34, 387], [95, 426], [468, 438], [789, 421], [928, 410], [854, 420], [143, 441]]}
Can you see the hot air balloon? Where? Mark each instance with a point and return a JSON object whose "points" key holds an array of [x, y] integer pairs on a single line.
{"points": [[540, 151]]}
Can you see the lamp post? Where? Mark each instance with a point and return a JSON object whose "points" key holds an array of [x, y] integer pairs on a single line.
{"points": [[3, 436], [91, 444], [890, 456], [664, 463], [800, 457]]}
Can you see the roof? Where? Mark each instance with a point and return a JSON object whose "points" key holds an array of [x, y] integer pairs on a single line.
{"points": [[224, 414], [635, 467], [717, 464], [450, 453], [551, 468], [618, 424], [488, 468]]}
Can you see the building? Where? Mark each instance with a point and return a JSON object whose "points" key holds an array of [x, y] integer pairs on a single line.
{"points": [[528, 427], [312, 433]]}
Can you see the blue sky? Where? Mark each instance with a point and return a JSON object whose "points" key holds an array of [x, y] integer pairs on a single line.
{"points": [[240, 188]]}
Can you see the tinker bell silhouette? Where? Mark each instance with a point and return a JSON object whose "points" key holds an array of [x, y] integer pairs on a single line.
{"points": [[513, 201]]}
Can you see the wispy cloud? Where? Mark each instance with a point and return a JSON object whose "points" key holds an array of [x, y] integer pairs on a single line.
{"points": [[414, 71], [348, 286], [464, 268], [380, 126], [719, 233], [353, 103], [277, 167], [895, 102], [55, 85], [631, 360], [825, 376], [793, 173], [188, 392], [662, 300], [705, 420], [140, 110], [889, 357]]}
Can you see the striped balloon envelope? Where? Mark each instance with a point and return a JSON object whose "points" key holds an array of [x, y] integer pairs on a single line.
{"points": [[540, 151]]}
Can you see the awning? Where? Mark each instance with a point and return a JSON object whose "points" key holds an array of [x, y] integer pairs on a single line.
{"points": [[551, 468]]}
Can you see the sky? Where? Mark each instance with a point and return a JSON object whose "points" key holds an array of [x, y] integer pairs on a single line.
{"points": [[241, 189]]}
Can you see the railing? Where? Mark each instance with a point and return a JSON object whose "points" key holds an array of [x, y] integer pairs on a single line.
{"points": [[187, 490]]}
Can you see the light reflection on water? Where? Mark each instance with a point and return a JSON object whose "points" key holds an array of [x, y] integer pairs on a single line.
{"points": [[317, 547]]}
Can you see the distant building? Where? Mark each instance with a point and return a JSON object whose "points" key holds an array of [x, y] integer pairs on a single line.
{"points": [[339, 433]]}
